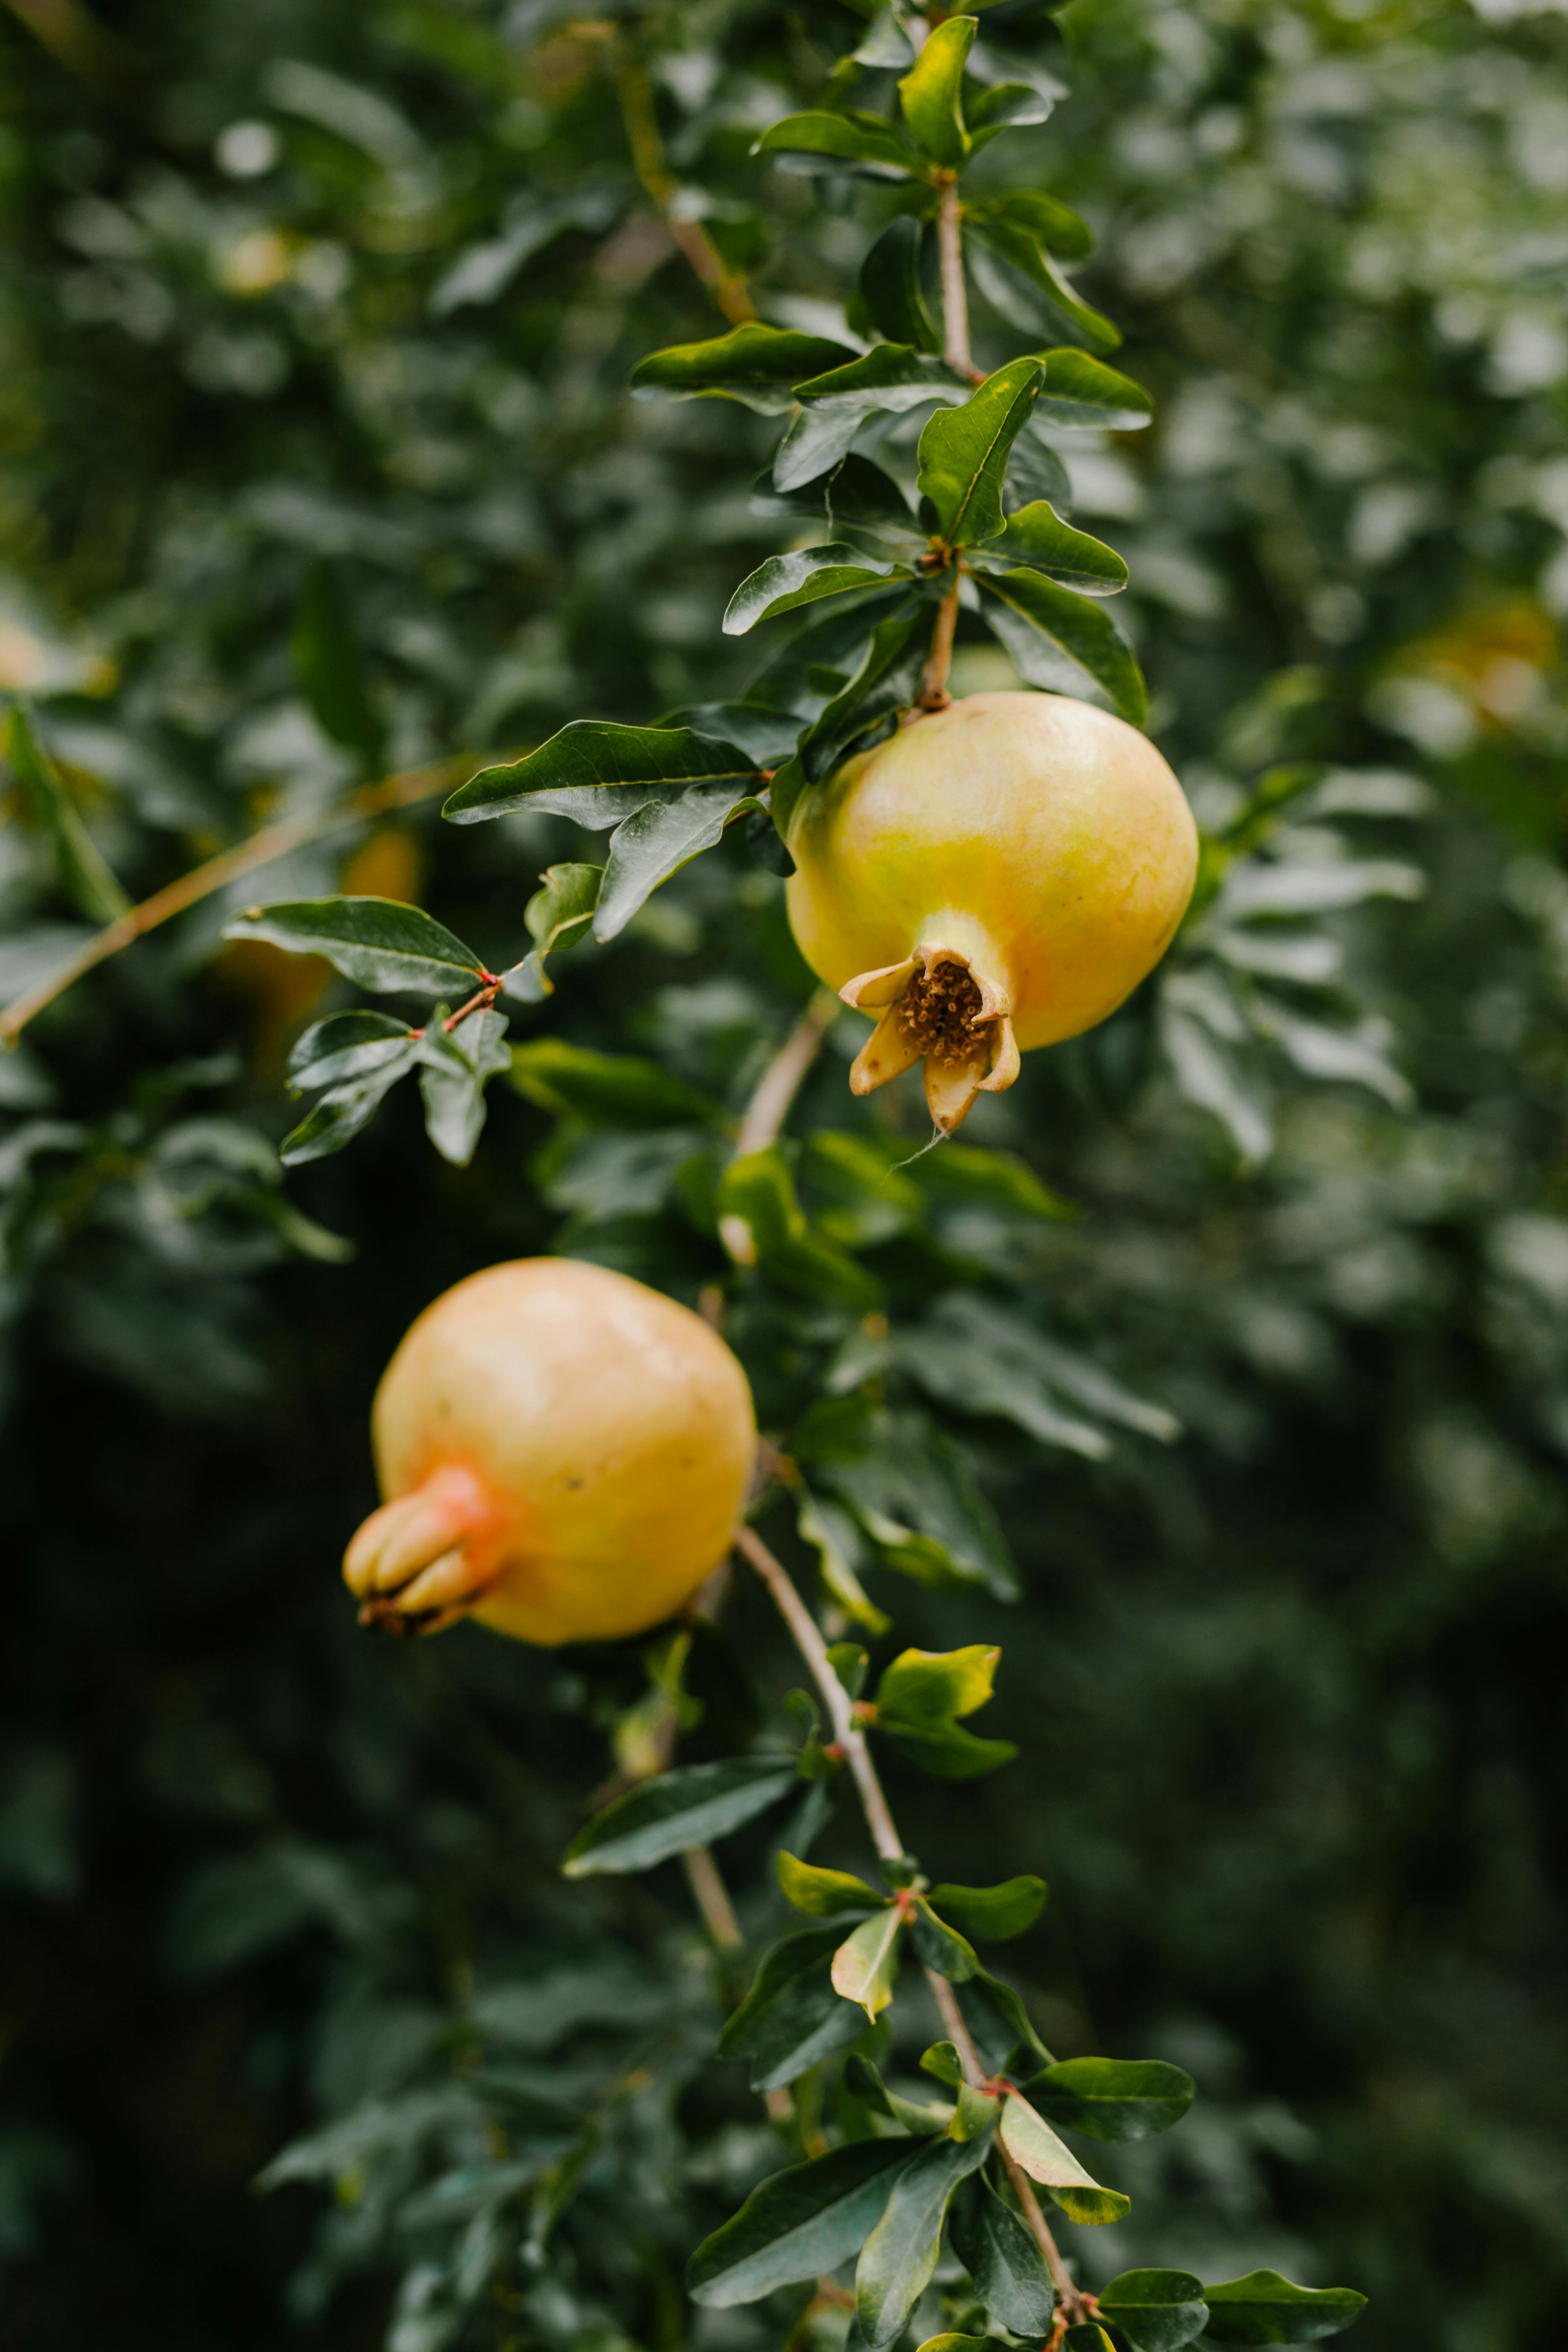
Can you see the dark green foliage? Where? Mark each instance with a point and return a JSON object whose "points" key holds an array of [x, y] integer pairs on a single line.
{"points": [[317, 462]]}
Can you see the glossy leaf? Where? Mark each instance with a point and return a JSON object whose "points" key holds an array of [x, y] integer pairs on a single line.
{"points": [[890, 297], [922, 1685], [993, 1914], [860, 494], [947, 1751], [866, 1962], [940, 1947], [1113, 2098], [766, 736], [803, 577], [753, 363], [863, 2082], [1005, 106], [379, 943], [821, 1892], [559, 914], [348, 1045], [964, 1171], [1000, 2024], [605, 1089], [598, 773], [849, 137], [1264, 2308], [932, 93], [1157, 2310], [1035, 471], [996, 2248], [900, 2256], [345, 1110], [85, 873], [1063, 643], [1026, 1354], [657, 840], [1083, 391], [913, 1491], [963, 454], [1033, 2145], [1036, 535], [791, 2016], [691, 1806], [820, 654], [1020, 249], [456, 1066], [840, 1548], [800, 2224], [885, 682]]}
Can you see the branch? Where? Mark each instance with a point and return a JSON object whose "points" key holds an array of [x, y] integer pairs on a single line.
{"points": [[638, 112], [851, 1741], [769, 1106], [933, 694], [263, 848], [954, 293]]}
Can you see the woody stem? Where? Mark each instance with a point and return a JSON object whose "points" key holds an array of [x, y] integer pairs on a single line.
{"points": [[954, 293], [850, 1739], [769, 1106], [933, 694]]}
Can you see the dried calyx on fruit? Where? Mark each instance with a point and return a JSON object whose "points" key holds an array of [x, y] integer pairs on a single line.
{"points": [[565, 1454], [997, 876]]}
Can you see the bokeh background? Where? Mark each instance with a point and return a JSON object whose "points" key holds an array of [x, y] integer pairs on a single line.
{"points": [[317, 318]]}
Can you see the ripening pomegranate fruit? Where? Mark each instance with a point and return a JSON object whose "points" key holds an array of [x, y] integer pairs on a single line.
{"points": [[565, 1453], [995, 876]]}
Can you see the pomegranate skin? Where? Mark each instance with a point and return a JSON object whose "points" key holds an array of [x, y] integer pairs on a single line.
{"points": [[564, 1453], [1041, 842]]}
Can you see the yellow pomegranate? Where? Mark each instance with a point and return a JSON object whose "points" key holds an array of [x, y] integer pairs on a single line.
{"points": [[997, 876], [565, 1453]]}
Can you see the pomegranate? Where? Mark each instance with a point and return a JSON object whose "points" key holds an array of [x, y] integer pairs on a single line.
{"points": [[997, 876], [565, 1453]]}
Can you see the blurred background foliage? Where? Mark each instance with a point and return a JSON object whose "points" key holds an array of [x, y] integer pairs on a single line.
{"points": [[316, 463]]}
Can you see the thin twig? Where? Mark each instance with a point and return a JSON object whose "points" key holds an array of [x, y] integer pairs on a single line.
{"points": [[851, 1741], [263, 848], [933, 694], [638, 112], [712, 1898], [769, 1106]]}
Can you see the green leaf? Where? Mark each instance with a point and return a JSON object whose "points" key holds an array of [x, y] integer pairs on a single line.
{"points": [[1035, 471], [820, 654], [890, 297], [1083, 391], [850, 1663], [913, 1491], [755, 365], [1036, 535], [658, 841], [1264, 2308], [1021, 251], [331, 670], [791, 2016], [1005, 106], [925, 1684], [1024, 1357], [379, 943], [995, 1914], [932, 93], [1036, 215], [943, 2062], [841, 1548], [887, 681], [866, 1962], [1063, 643], [888, 380], [821, 1892], [963, 454], [1113, 2098], [863, 2082], [850, 137], [860, 494], [997, 2250], [1000, 2024], [759, 1191], [766, 736], [693, 1805], [1157, 2310], [557, 916], [938, 1946], [801, 2224], [348, 1045], [599, 773], [85, 873], [947, 1751], [456, 1066], [1032, 2144], [962, 1171], [803, 577], [900, 2256], [605, 1089], [340, 1115]]}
